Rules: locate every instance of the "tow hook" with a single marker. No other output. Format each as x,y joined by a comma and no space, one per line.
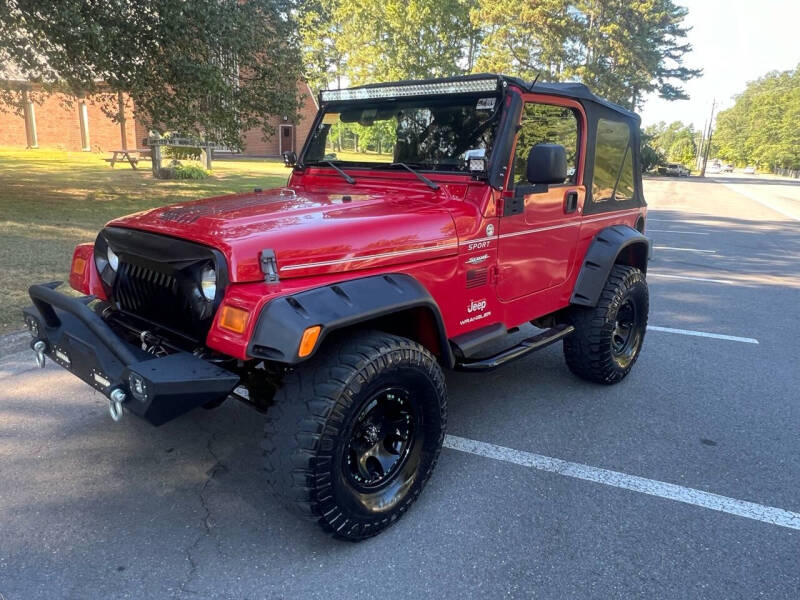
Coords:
39,348
115,400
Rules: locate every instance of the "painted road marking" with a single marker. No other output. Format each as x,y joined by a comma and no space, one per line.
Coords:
749,195
689,220
677,231
716,336
664,275
684,249
651,487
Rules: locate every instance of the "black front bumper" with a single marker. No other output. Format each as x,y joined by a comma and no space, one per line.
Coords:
79,340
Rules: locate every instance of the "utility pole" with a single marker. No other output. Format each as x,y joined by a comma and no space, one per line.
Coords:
699,154
708,143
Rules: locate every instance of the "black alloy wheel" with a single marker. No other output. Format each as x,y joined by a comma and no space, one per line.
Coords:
381,438
626,337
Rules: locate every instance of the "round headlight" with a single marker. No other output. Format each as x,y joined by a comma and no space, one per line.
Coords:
113,259
208,283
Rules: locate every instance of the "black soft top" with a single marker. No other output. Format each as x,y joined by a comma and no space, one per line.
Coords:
571,90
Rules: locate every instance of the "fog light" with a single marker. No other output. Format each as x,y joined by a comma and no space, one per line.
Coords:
62,356
138,386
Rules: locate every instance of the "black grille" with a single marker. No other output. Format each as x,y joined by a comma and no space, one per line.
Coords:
158,280
156,296
139,289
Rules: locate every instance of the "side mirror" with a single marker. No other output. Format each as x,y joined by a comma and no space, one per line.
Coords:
547,163
290,158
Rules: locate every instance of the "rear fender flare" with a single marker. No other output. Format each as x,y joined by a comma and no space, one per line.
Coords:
618,244
282,321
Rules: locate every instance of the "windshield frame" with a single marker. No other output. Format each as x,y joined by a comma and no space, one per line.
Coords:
497,117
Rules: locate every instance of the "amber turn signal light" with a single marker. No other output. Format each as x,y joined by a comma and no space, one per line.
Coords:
79,266
233,319
309,340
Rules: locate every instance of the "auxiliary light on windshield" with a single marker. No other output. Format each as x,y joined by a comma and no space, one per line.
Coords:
415,89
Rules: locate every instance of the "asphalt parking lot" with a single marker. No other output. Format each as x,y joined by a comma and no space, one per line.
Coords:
680,482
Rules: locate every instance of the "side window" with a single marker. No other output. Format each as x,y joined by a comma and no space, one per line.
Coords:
613,163
546,124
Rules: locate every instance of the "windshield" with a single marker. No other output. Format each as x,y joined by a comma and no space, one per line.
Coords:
439,134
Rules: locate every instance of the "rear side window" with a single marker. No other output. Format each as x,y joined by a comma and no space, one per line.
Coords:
546,124
613,162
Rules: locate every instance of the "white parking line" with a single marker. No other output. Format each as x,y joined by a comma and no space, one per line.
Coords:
716,336
706,279
677,231
651,487
689,221
684,249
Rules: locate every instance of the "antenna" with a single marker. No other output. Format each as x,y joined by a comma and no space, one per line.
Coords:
535,79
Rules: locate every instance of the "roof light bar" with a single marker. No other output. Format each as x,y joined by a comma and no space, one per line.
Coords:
415,89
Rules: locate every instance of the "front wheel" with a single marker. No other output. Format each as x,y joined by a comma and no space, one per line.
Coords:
355,433
608,337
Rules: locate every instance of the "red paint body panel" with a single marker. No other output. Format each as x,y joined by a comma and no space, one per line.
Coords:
89,282
314,232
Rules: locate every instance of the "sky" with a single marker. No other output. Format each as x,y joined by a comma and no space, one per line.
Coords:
733,41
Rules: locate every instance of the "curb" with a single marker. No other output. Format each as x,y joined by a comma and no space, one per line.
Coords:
13,343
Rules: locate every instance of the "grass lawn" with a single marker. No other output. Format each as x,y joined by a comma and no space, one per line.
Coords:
52,200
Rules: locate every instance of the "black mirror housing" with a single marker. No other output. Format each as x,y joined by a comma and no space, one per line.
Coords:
290,158
547,163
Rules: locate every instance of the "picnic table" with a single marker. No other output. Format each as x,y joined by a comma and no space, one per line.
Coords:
119,155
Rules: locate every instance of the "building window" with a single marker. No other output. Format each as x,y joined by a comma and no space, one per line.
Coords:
83,118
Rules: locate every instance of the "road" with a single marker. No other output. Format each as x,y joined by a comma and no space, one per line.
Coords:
681,482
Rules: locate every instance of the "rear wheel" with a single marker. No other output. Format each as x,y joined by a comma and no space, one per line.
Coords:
355,433
608,337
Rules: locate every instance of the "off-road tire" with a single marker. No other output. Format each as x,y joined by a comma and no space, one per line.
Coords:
311,425
590,349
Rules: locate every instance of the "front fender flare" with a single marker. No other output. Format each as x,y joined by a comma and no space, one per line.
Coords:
604,252
283,320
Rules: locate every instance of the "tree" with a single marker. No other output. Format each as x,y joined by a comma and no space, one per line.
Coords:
621,49
525,39
319,33
650,155
763,126
676,141
384,40
683,150
206,67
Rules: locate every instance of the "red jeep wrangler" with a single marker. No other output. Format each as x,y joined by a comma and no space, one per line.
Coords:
461,209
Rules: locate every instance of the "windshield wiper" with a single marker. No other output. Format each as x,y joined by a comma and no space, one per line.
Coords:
333,166
420,176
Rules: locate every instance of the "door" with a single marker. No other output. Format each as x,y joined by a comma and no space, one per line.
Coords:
540,224
286,138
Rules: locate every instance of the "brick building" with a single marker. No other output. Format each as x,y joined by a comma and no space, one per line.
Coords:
82,125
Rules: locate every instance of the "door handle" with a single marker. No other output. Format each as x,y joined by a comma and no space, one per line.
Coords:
570,202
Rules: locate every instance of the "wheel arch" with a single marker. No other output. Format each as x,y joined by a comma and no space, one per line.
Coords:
614,245
394,303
